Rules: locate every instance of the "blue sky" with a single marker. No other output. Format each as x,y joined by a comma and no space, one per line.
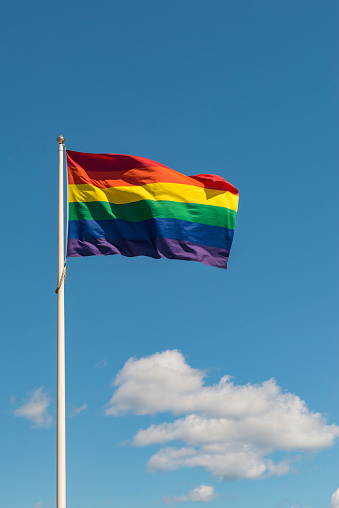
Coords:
246,90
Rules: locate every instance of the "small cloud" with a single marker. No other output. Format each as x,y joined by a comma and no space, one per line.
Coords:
335,499
201,494
77,410
38,505
35,409
102,363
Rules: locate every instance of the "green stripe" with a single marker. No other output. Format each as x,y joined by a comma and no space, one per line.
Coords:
146,209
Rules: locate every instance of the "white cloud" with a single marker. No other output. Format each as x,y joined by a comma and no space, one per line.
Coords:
77,410
228,429
224,463
157,383
35,409
38,505
202,493
335,499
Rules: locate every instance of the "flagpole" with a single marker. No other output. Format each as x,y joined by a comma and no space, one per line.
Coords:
61,415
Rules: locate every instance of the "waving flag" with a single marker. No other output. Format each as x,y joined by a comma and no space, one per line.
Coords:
122,204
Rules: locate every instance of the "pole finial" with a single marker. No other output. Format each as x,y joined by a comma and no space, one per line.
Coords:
61,139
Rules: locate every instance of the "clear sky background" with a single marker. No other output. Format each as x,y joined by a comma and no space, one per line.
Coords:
246,90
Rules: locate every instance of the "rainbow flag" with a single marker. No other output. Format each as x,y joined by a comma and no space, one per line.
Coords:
122,204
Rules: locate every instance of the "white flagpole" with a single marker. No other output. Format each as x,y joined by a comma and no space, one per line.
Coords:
61,415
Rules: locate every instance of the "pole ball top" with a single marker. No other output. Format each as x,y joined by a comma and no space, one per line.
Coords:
61,139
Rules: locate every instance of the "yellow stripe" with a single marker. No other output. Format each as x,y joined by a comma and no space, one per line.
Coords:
159,191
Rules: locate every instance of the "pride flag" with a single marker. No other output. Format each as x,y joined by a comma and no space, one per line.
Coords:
122,204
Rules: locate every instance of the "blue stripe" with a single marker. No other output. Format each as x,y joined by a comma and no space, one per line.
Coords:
213,236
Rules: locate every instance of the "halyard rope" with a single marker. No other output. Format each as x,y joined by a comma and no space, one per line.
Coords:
62,279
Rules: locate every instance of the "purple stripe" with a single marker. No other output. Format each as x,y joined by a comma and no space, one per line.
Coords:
158,248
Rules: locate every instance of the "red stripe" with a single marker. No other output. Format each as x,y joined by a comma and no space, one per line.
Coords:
114,170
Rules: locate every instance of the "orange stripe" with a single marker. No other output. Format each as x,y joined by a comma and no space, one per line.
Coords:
135,176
